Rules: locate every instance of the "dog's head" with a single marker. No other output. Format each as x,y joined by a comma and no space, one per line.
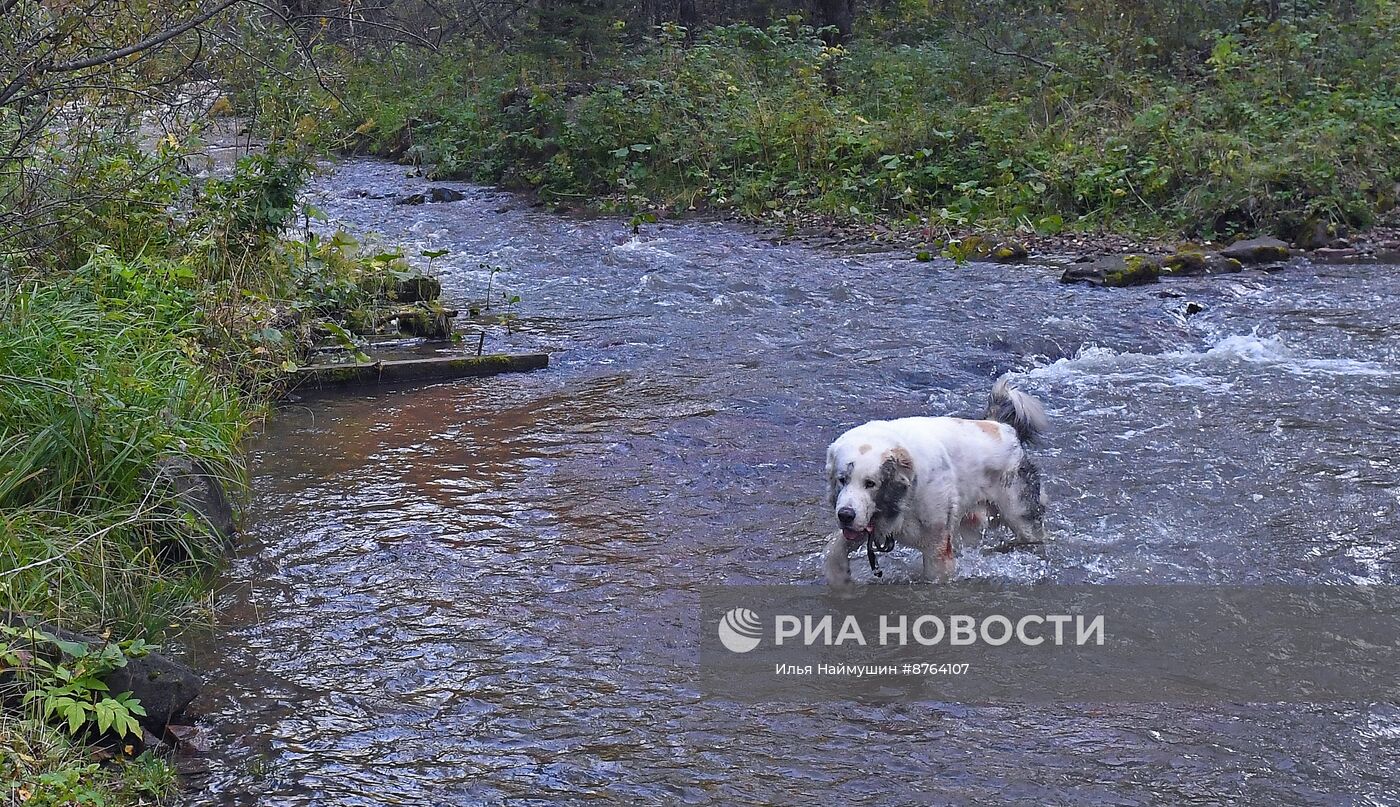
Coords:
870,481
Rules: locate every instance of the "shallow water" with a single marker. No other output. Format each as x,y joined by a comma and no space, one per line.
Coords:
484,592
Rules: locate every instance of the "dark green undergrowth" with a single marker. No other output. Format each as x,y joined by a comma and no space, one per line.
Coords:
1267,124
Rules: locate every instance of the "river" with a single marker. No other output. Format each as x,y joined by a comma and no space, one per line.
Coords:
485,592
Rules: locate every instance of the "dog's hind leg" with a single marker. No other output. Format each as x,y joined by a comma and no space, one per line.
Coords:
1022,507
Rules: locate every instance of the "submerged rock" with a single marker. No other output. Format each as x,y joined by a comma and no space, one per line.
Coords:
1116,270
1341,255
432,195
445,195
1257,250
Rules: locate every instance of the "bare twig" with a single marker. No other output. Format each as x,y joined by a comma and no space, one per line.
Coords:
1050,67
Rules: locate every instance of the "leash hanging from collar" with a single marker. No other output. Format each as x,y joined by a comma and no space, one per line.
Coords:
871,549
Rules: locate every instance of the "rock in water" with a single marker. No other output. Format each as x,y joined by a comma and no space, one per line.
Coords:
445,195
996,250
1189,263
432,195
1124,270
165,687
1257,250
1340,255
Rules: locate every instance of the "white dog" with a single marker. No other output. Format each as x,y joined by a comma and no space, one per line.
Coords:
917,480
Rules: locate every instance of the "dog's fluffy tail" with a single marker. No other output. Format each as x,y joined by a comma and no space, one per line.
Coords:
1018,410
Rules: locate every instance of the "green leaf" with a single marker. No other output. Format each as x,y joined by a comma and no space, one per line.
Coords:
434,253
74,649
127,724
105,715
341,335
76,715
132,705
89,683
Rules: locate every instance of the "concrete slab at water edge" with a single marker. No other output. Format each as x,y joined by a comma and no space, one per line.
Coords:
437,368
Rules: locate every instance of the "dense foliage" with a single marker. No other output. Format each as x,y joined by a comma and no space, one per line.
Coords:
1257,127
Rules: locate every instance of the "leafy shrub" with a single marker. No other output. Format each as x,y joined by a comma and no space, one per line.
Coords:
1079,120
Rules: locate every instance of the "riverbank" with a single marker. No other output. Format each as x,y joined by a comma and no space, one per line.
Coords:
924,141
138,351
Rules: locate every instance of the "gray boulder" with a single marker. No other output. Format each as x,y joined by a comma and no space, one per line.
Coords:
1257,250
431,195
1115,270
1188,263
165,687
201,493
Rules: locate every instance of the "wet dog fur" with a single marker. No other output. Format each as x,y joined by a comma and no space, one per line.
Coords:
921,480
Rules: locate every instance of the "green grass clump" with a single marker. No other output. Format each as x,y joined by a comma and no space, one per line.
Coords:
97,390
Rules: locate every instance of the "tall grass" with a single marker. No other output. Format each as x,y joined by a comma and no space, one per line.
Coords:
97,387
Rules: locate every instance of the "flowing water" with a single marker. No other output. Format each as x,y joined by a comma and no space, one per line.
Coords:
484,592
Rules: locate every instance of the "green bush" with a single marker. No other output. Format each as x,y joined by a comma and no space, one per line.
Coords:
1202,132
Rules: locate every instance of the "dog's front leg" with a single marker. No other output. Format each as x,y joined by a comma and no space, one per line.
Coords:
838,561
940,562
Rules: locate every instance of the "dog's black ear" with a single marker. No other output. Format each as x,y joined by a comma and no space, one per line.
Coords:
896,478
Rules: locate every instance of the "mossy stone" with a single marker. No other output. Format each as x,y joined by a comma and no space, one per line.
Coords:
1136,270
1257,250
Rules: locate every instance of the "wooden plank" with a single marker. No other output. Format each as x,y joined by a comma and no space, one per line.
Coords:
436,368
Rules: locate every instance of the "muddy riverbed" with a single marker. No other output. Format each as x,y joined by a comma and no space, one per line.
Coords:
484,592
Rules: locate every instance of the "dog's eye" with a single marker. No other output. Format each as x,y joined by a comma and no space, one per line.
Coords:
869,483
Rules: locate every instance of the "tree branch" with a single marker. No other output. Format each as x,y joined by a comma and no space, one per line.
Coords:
145,44
1049,66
